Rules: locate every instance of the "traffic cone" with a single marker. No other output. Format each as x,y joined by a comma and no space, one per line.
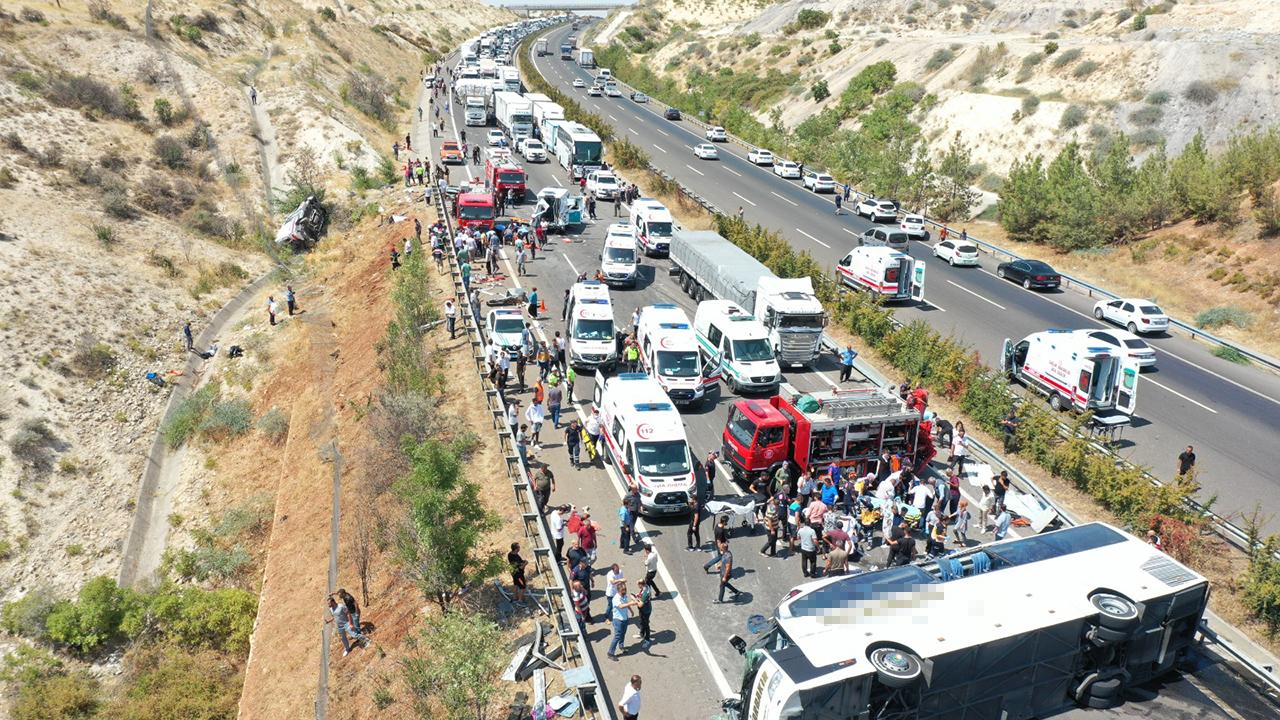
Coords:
542,306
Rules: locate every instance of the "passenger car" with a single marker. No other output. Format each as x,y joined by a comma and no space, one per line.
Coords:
888,237
1138,316
1031,273
672,114
579,83
760,156
602,184
495,137
595,91
1127,344
639,97
957,252
818,181
786,169
914,226
450,152
877,210
504,326
706,151
533,150
717,134
303,227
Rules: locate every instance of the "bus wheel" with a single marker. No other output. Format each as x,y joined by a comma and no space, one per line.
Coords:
895,667
1115,612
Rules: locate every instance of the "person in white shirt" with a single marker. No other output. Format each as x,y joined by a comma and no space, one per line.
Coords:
651,568
629,706
922,496
555,524
536,415
959,451
611,580
513,414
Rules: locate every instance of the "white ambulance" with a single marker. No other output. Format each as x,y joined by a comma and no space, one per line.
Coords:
735,341
644,439
590,331
669,351
653,224
1074,371
883,271
619,259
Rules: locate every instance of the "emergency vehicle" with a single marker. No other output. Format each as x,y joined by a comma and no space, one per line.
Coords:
848,427
1074,371
653,224
644,439
474,210
735,341
883,271
504,177
590,329
669,351
619,259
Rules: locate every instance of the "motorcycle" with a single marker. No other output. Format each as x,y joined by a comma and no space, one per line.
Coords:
513,296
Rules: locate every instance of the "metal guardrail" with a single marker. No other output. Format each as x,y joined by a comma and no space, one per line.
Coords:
575,650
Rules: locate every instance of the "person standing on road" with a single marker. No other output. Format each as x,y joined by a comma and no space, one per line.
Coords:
1003,518
587,536
846,362
709,469
554,397
573,443
960,520
644,596
629,706
544,483
1186,461
651,569
771,528
186,333
808,538
555,524
721,542
624,527
623,604
726,571
693,535
839,203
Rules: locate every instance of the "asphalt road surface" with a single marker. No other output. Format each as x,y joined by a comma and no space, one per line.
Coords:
1230,413
690,667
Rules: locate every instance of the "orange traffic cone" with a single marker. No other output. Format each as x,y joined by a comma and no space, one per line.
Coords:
542,306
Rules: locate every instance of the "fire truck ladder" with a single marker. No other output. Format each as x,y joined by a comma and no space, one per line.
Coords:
850,407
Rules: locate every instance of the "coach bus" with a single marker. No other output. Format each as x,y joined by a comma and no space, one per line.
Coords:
1022,628
577,148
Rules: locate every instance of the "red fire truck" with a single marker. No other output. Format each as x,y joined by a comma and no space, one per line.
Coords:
505,178
474,209
848,427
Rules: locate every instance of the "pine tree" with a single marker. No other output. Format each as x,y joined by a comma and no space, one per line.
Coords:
1024,200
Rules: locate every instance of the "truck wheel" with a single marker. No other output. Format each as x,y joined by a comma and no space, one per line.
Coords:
1056,402
895,667
1115,612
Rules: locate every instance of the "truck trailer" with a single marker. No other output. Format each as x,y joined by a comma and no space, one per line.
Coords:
586,58
514,114
709,266
541,47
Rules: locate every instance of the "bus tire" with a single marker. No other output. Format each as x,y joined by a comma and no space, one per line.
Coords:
1100,703
1106,688
1115,612
895,667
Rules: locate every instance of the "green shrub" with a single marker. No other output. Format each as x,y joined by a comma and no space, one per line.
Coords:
194,618
1146,115
163,110
1050,48
1030,104
1066,58
1200,92
1085,69
1230,354
33,443
1158,97
328,14
986,62
1217,317
1147,137
1261,584
820,91
94,360
1139,22
628,155
808,19
189,415
165,681
227,419
7,178
1266,213
1073,116
939,60
275,425
44,688
93,618
170,152
26,616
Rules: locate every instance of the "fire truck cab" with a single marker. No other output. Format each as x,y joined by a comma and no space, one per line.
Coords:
474,210
505,177
847,427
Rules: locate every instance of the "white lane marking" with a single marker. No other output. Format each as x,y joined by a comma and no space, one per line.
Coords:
793,203
850,232
723,471
735,172
813,238
1175,392
745,200
660,132
571,265
632,131
1170,353
934,305
656,145
557,179
993,302
694,169
613,118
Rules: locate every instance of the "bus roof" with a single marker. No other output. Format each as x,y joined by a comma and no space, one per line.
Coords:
578,131
1034,582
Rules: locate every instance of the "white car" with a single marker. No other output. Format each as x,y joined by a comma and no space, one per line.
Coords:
706,151
717,134
506,327
495,137
639,97
914,226
533,150
595,91
1139,316
760,156
602,184
787,170
579,83
877,210
957,252
1127,344
611,89
818,181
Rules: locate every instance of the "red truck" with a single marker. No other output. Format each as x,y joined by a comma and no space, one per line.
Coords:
505,178
474,210
847,427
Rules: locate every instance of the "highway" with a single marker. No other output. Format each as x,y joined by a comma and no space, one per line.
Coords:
1229,413
690,667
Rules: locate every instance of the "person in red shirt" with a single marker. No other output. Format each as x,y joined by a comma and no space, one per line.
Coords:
587,538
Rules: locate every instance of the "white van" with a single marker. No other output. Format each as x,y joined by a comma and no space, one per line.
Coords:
653,224
1074,371
620,258
738,344
644,439
669,351
883,271
604,74
590,332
